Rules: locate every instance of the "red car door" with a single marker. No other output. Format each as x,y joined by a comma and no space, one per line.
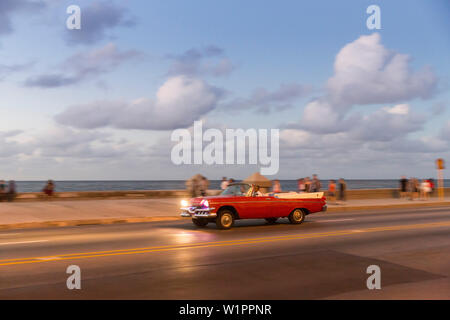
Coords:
252,207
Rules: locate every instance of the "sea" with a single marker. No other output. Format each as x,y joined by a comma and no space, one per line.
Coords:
91,185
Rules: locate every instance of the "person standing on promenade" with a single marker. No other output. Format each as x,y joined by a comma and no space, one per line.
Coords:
425,189
307,185
49,188
431,181
276,186
301,185
11,194
332,191
315,184
413,188
342,190
224,183
2,190
403,187
204,184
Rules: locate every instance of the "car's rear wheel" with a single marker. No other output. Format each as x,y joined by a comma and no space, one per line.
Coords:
225,219
271,220
297,216
199,222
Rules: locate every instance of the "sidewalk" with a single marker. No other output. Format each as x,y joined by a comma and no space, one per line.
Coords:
41,214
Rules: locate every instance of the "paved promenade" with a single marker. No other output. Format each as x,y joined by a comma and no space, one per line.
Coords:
39,214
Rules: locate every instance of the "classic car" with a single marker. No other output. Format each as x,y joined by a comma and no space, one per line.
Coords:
246,201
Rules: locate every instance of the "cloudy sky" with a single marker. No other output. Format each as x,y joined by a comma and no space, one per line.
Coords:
102,102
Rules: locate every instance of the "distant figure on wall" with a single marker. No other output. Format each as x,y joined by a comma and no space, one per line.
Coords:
224,183
276,186
203,185
11,193
342,190
315,184
332,191
49,188
2,190
301,185
403,187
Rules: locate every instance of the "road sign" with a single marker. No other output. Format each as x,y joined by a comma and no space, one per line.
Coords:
440,164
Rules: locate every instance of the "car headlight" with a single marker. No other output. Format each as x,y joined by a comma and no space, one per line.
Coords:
184,203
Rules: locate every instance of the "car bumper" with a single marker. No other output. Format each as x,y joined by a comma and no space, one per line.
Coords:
198,213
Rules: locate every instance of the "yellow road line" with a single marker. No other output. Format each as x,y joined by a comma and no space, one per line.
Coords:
87,255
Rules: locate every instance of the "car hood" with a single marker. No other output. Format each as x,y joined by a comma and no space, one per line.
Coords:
212,199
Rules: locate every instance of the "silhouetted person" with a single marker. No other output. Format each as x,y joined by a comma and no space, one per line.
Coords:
403,187
2,190
203,186
332,191
342,190
315,184
49,188
11,193
307,185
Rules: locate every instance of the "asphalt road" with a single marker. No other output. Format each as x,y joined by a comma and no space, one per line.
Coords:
325,257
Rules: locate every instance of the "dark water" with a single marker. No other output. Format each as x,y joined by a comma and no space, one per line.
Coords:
36,186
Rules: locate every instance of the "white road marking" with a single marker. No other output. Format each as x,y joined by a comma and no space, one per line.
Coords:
357,231
9,234
21,242
334,220
49,258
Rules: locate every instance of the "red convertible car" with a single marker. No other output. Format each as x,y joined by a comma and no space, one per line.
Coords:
245,201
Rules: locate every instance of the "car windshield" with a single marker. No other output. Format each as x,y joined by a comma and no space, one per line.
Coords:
236,190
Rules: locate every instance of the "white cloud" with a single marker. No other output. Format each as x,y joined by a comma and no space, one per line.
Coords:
368,73
179,102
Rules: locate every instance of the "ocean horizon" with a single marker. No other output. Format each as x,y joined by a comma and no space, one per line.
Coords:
117,185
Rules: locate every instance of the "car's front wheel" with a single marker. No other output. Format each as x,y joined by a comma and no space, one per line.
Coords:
199,222
297,216
225,219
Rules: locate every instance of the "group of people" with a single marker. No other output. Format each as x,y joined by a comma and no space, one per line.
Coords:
413,188
337,191
309,185
197,186
7,192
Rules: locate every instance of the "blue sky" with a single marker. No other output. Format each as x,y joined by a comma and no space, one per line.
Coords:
376,112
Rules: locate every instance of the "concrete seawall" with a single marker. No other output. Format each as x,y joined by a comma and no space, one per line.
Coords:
149,194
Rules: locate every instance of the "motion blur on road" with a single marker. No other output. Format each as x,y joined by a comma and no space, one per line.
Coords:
325,257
